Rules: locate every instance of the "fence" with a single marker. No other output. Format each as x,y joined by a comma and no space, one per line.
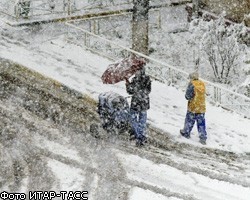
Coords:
159,70
19,9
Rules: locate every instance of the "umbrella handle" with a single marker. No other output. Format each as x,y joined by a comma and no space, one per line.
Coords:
127,81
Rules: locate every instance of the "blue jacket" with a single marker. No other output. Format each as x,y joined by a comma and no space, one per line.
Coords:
190,91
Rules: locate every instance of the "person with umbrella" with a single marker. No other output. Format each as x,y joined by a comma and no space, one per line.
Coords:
139,88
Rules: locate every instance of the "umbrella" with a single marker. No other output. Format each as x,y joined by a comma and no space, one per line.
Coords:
122,70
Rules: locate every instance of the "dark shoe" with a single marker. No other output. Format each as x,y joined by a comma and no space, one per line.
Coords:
184,134
203,141
139,143
144,140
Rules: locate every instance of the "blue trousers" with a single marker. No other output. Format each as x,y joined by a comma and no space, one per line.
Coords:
199,118
138,123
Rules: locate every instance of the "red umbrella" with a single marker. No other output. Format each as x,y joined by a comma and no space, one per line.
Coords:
122,70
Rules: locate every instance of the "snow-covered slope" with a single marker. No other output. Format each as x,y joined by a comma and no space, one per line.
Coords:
58,159
81,70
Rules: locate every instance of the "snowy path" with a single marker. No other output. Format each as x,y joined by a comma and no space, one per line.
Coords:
45,50
74,163
45,155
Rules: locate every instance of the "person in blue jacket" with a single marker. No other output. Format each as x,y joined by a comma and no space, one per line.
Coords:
195,94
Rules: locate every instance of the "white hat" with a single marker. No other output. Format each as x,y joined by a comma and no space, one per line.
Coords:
193,76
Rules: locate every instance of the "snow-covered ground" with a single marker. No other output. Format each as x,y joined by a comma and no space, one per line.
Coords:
147,178
82,70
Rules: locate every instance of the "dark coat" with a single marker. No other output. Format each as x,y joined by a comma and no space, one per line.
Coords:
139,88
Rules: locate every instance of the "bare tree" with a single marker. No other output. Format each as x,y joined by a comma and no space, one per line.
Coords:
220,44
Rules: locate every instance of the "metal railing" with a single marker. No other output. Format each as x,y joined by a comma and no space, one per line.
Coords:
23,9
158,70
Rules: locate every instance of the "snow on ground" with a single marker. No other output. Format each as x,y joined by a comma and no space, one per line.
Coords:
56,148
188,184
138,193
70,178
81,70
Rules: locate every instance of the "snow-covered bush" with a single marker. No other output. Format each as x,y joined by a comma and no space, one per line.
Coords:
220,46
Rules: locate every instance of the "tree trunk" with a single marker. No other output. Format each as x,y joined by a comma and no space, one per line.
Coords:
196,6
140,26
